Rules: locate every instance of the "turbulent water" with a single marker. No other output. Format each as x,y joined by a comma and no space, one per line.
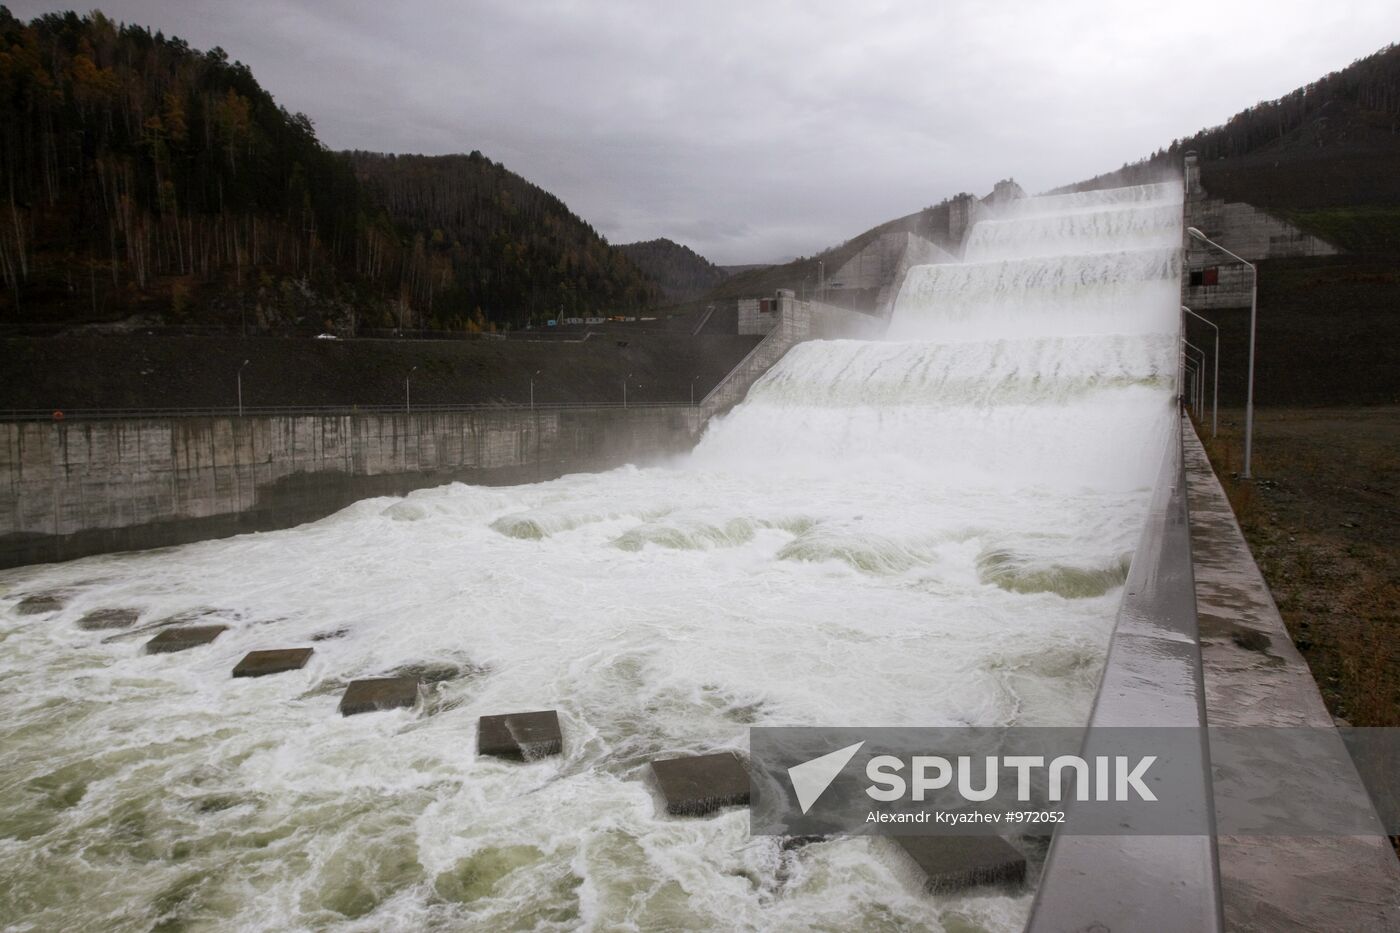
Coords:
929,530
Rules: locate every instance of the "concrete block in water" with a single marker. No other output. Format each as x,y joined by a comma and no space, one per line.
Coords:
377,693
39,603
702,784
182,637
952,863
108,618
273,661
520,736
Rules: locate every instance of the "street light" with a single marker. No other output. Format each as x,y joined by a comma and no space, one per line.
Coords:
692,390
624,389
240,389
1215,388
532,388
1253,319
407,396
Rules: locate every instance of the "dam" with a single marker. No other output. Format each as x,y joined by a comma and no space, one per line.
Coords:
933,528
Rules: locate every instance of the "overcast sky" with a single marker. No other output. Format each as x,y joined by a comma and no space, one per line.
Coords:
754,130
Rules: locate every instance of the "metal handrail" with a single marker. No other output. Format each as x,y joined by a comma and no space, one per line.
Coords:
1215,390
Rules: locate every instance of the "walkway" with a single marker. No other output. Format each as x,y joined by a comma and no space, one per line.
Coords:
1254,676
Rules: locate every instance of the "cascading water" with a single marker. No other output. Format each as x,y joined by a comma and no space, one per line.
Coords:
927,530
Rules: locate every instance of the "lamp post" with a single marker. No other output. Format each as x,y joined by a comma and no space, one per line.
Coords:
1201,388
532,388
1215,387
1253,320
407,392
692,390
240,388
624,389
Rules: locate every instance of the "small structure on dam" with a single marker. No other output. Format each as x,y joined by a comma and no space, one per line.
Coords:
702,784
520,736
379,693
272,661
183,638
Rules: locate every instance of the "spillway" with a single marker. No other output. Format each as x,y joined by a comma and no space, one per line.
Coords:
931,529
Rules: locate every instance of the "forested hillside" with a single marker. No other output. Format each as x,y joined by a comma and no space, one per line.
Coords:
487,238
681,272
143,177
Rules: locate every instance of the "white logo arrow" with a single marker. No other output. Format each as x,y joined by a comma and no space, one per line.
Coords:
811,778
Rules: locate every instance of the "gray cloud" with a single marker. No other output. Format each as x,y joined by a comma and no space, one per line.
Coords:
755,130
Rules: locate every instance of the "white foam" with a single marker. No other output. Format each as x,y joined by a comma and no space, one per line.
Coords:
920,531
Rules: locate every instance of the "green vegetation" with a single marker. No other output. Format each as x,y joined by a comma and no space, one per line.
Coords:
1363,230
143,176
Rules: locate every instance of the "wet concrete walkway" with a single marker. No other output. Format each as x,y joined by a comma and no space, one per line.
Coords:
1254,676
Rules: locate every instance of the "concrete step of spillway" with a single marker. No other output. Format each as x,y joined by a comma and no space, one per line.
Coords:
701,784
272,661
101,619
379,693
520,736
184,637
39,604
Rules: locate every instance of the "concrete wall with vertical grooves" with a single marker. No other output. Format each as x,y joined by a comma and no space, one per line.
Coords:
73,488
69,489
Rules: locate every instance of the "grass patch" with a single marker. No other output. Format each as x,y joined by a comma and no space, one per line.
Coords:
1366,230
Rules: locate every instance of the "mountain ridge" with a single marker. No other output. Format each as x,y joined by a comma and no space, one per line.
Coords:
149,182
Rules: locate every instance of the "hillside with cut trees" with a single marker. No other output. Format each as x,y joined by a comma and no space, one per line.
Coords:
1325,156
146,180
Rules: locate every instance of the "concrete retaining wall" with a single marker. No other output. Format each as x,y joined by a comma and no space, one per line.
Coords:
69,489
73,488
1243,228
1152,677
